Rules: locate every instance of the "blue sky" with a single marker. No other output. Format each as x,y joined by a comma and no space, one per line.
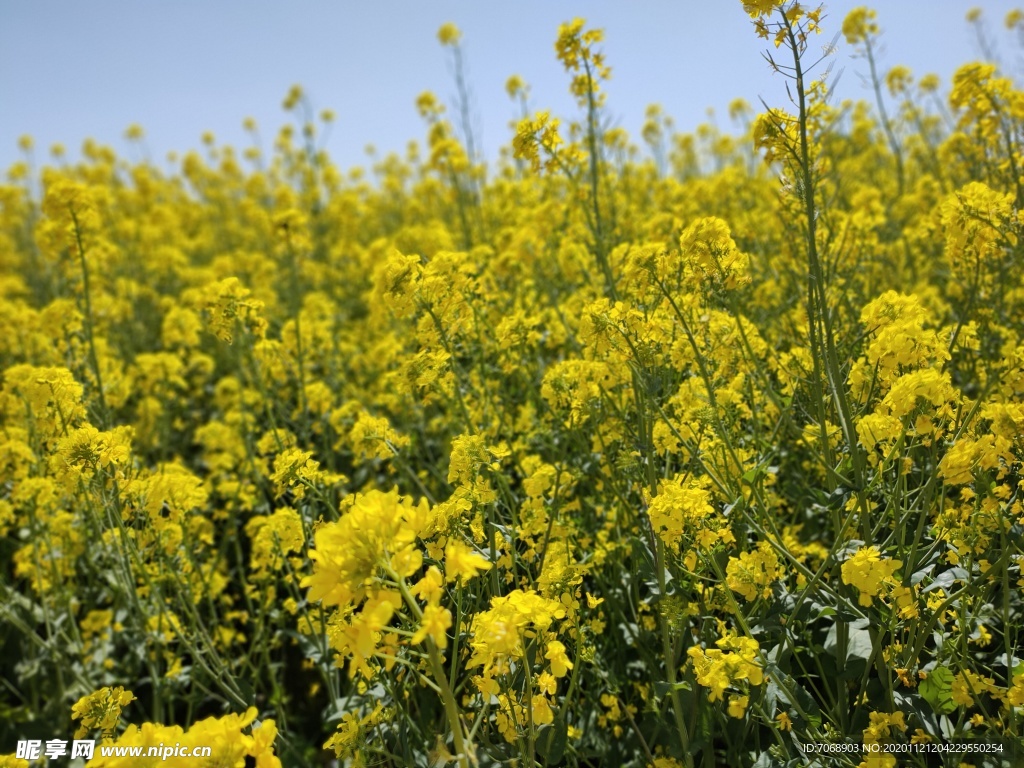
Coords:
71,70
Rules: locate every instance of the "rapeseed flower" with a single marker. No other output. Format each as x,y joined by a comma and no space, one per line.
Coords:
870,573
100,710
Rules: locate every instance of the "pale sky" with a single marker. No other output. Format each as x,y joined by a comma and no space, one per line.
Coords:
70,69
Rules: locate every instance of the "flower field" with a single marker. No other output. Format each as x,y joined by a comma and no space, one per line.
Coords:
704,452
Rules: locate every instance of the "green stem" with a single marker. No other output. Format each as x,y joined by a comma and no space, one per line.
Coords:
87,298
451,708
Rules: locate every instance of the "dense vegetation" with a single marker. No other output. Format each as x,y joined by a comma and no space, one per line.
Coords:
705,455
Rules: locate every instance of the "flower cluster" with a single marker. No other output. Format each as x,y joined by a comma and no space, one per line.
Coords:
584,457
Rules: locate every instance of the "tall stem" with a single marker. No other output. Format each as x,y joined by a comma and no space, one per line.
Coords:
819,316
87,299
600,246
451,708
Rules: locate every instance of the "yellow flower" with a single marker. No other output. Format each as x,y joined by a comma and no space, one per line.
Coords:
469,453
760,8
429,588
226,306
262,750
100,710
462,562
449,34
295,470
1015,695
898,80
560,664
542,714
428,106
534,135
717,669
753,573
273,537
294,96
859,25
711,254
291,229
352,731
498,632
48,399
435,624
968,688
547,683
869,572
486,685
682,512
515,87
738,706
373,437
881,723
350,552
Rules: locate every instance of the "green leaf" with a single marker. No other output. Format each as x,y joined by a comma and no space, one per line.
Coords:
246,690
663,688
781,686
849,643
937,690
947,579
552,740
751,476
